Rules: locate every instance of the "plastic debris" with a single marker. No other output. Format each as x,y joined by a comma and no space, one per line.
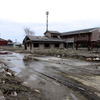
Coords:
3,82
88,59
58,56
67,98
93,59
25,82
8,73
96,58
14,93
36,90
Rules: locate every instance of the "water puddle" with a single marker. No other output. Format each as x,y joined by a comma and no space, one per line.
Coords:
21,62
4,52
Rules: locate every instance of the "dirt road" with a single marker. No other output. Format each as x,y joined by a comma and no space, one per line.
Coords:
56,78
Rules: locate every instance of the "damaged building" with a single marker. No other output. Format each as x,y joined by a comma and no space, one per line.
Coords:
49,41
55,39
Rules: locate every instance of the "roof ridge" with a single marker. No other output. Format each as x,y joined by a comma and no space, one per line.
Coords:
81,30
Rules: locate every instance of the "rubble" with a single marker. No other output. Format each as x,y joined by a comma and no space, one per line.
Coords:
93,59
11,87
14,93
37,90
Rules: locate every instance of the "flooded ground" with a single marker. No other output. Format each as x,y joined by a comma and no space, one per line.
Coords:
57,78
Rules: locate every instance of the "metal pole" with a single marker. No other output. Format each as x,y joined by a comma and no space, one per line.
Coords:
47,13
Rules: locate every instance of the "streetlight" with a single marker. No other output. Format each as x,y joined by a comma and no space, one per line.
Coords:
47,13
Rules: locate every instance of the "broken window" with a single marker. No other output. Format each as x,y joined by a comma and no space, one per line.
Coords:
47,45
57,45
36,45
83,35
54,36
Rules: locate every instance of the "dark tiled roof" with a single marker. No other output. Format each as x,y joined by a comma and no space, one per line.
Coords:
2,39
79,31
44,38
53,32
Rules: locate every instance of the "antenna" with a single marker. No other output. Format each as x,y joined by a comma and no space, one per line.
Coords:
47,13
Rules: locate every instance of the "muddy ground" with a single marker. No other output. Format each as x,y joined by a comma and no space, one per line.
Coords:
36,75
11,87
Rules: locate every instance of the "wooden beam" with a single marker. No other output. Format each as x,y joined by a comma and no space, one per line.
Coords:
91,46
76,45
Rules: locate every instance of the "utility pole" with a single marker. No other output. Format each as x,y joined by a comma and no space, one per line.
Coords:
47,13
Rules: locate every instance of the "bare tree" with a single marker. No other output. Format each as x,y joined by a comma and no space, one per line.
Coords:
29,32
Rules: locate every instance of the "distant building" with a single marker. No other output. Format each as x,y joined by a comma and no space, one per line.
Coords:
10,42
3,42
55,39
17,44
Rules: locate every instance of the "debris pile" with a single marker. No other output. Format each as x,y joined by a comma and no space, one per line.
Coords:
93,59
11,87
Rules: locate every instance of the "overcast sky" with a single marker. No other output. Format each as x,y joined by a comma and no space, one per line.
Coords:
64,15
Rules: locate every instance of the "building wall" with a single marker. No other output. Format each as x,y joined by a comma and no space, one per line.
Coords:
76,37
47,34
55,36
28,46
52,35
3,43
32,46
52,46
95,35
61,46
41,46
81,37
69,40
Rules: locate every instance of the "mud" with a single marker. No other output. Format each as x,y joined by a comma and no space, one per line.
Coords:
11,87
51,78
